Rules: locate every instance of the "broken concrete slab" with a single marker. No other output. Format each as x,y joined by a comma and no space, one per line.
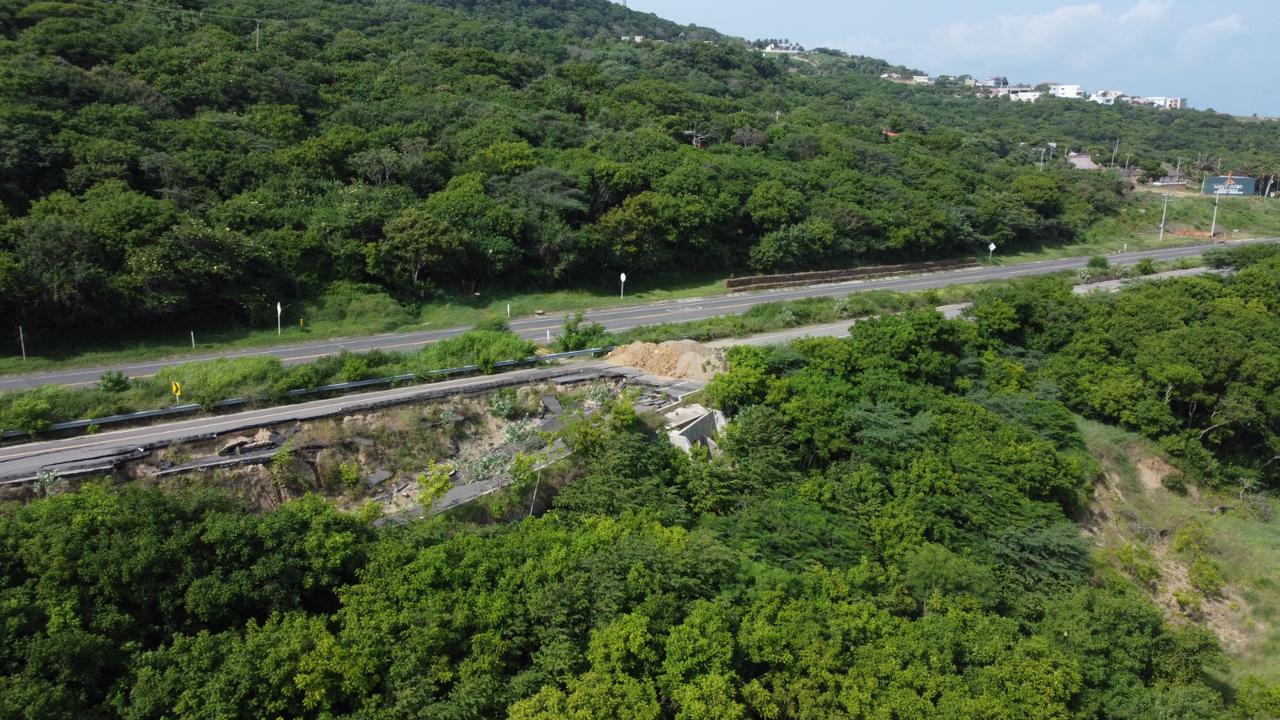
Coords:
376,478
552,405
233,446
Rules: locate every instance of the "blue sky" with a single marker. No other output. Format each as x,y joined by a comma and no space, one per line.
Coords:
1177,48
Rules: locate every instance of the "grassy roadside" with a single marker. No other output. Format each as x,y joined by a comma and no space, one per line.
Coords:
354,311
1137,227
1156,536
34,410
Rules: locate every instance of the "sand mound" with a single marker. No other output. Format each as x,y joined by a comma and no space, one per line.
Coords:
675,358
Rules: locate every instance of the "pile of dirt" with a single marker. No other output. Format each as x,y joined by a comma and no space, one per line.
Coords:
675,359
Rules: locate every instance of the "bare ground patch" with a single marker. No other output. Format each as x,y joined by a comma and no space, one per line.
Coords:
1116,519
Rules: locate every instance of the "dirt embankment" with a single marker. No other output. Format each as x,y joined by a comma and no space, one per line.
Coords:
675,359
1124,514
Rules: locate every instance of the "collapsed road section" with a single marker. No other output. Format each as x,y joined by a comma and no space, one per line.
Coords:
104,453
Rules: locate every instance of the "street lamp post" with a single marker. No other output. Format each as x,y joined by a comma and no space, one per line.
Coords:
622,287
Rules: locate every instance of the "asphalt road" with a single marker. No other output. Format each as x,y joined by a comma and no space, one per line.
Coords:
841,329
621,318
98,452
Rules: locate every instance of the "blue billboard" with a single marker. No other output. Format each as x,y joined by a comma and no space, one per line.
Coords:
1230,185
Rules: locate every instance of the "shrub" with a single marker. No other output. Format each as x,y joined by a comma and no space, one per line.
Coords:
1189,603
29,413
1204,575
210,381
113,381
1241,257
434,483
1099,263
1145,266
349,474
574,336
1138,563
357,305
493,324
354,368
1192,538
302,377
476,347
504,404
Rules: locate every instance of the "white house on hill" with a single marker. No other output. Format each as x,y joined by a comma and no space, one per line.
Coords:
1071,92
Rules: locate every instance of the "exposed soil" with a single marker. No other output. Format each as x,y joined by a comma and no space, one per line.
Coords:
675,359
1113,519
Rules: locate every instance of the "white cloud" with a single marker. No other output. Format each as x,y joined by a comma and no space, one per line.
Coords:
1204,37
1147,12
1223,26
1017,35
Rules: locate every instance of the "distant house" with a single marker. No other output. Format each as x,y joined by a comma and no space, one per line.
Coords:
1106,97
1025,95
1164,103
782,49
922,79
1070,92
632,38
1082,161
996,81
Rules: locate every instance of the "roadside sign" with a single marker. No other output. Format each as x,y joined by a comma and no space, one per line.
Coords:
1229,185
176,388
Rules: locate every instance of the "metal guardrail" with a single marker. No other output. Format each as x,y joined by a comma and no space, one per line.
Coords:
191,408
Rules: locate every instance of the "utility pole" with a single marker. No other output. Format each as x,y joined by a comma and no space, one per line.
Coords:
1115,151
1213,229
1042,151
193,339
257,35
22,342
1126,162
534,501
1164,214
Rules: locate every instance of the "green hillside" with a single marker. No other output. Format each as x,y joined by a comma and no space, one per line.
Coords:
198,162
913,522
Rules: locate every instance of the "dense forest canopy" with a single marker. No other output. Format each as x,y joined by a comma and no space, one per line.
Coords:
1190,363
887,533
202,160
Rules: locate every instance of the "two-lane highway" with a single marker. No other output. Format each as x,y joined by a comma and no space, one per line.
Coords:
620,318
